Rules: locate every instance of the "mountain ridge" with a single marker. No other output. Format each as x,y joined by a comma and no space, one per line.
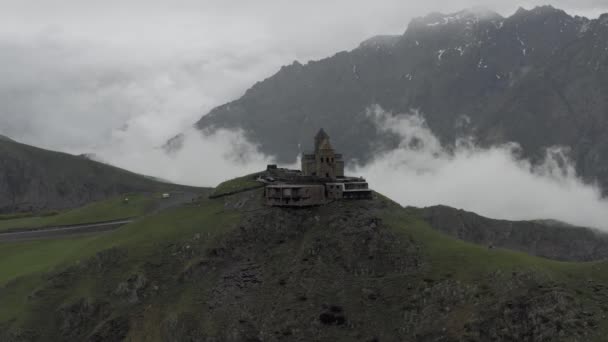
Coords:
537,70
34,179
544,238
5,138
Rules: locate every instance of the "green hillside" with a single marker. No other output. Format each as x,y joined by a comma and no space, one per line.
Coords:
34,180
26,265
107,210
231,269
235,185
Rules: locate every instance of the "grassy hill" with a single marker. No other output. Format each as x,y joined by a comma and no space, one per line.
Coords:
545,238
236,185
231,269
106,210
38,180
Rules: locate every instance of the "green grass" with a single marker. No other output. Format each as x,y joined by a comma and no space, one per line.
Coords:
237,184
23,258
24,215
107,210
27,263
26,258
470,262
25,266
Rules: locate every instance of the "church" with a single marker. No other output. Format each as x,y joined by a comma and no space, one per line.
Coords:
324,162
321,180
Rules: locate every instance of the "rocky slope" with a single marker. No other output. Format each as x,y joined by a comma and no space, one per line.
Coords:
542,238
230,269
476,73
5,138
33,179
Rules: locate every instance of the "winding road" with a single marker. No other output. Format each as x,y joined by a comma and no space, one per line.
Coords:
176,199
56,232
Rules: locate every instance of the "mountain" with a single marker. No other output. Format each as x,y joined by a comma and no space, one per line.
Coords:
232,269
470,73
33,179
5,138
544,238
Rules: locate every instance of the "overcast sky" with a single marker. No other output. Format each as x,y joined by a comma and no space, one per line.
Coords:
79,75
118,78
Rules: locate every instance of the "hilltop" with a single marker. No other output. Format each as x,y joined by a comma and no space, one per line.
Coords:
497,79
232,269
37,180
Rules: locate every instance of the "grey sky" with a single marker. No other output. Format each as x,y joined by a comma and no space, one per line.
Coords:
118,78
81,75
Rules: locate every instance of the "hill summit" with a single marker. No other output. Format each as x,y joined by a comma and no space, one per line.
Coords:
235,269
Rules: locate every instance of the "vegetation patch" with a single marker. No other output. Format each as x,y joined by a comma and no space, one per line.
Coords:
236,185
466,261
27,214
88,264
113,209
350,270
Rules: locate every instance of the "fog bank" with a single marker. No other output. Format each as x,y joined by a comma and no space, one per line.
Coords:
202,160
493,182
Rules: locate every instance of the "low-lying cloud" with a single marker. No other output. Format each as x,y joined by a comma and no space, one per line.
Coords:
73,73
494,181
119,79
201,160
86,97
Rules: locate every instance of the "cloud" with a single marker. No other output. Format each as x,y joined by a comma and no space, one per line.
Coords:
202,160
75,96
119,78
74,72
494,182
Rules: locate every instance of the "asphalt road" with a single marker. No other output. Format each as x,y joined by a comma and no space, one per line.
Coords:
176,199
56,232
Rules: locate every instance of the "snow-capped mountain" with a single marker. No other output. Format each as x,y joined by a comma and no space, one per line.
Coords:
537,71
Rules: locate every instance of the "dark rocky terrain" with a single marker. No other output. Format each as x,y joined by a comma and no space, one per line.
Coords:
5,138
547,239
475,73
348,271
33,179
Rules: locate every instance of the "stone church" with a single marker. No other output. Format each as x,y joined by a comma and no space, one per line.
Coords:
324,162
320,181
